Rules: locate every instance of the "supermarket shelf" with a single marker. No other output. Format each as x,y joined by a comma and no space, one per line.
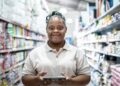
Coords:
97,69
10,21
110,26
103,31
103,52
113,40
18,24
86,27
95,50
18,79
92,65
111,11
91,58
15,49
115,55
94,41
29,38
93,83
88,32
100,41
14,66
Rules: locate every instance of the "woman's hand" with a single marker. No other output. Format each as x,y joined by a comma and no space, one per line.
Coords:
33,80
41,79
72,81
65,81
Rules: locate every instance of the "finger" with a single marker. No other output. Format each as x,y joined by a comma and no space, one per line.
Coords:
42,73
66,76
63,74
41,78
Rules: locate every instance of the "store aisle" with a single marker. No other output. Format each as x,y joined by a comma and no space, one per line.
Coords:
92,25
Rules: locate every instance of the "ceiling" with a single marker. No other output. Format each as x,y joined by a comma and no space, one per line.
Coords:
74,4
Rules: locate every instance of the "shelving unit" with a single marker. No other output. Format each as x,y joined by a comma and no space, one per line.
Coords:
29,38
101,43
14,66
17,24
94,66
21,30
102,52
15,49
109,12
16,41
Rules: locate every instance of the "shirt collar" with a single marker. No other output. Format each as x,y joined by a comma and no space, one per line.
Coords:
65,47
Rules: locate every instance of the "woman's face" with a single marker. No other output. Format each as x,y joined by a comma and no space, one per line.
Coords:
56,30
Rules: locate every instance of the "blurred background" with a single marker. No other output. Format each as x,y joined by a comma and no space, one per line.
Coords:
93,26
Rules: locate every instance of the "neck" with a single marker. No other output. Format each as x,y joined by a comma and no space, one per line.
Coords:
56,46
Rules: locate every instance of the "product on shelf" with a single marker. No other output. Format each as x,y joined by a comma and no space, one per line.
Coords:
96,78
2,34
3,82
8,61
116,16
16,39
1,65
104,21
101,43
10,29
8,41
115,69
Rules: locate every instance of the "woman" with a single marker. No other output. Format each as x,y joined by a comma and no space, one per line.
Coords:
56,58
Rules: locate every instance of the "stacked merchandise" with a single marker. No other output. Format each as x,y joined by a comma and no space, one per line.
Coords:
19,34
108,36
105,5
38,16
21,38
2,35
101,72
11,68
15,43
108,19
19,13
1,6
101,44
28,13
115,69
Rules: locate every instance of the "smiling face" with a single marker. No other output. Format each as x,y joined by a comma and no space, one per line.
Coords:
56,30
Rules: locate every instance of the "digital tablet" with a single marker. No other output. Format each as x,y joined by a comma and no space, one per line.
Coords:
54,78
